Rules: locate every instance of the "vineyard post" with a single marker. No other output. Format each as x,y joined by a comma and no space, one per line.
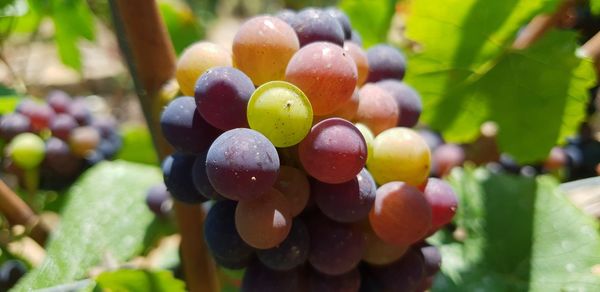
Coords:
150,56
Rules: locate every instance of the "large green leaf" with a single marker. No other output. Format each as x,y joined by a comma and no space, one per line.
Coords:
138,281
522,234
105,215
371,18
468,74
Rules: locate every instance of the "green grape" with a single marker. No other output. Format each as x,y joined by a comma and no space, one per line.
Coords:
281,112
368,135
400,154
27,150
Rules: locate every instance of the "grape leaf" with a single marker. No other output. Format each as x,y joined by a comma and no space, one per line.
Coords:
105,215
138,281
137,145
371,18
468,74
73,20
522,234
184,29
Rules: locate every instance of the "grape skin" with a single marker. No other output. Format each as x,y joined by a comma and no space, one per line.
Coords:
385,62
291,253
12,125
195,60
377,109
408,100
443,202
177,174
315,25
294,185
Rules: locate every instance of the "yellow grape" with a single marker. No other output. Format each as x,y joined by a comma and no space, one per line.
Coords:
369,137
195,60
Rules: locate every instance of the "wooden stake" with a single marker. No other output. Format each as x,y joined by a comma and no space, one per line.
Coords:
17,212
151,59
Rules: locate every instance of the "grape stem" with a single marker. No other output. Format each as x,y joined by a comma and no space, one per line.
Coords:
17,212
150,56
540,24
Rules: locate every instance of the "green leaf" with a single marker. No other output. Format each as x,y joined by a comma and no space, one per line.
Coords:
595,6
181,23
139,281
468,74
73,20
371,18
8,102
137,145
522,234
105,216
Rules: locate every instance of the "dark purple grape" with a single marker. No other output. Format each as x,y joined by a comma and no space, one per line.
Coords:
157,199
222,238
443,202
432,259
10,273
342,19
59,101
346,202
409,101
433,139
356,38
62,125
60,160
110,146
184,128
200,178
12,125
177,173
335,248
405,274
106,125
222,95
259,278
286,15
78,109
314,25
242,164
291,253
385,62
348,282
39,114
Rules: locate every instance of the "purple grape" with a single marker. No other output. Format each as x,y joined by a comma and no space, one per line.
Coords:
12,125
409,101
356,38
157,198
39,114
342,19
79,111
346,202
60,160
62,125
433,139
106,125
335,248
222,95
314,25
286,15
432,259
348,282
184,128
259,278
385,62
406,274
59,101
242,164
177,173
200,178
291,253
223,241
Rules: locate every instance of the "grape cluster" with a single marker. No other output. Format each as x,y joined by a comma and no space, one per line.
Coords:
304,141
55,139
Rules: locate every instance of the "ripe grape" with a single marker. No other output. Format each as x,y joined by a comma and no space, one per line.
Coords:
325,73
59,101
348,109
78,109
369,138
222,95
408,100
432,259
184,128
342,19
446,157
360,59
195,60
400,154
291,253
335,248
315,25
264,222
443,202
347,282
27,150
259,278
200,178
62,125
106,125
157,198
12,125
433,139
242,164
84,140
262,48
377,251
177,174
222,239
334,151
286,15
349,201
60,160
39,114
385,62
377,109
294,185
405,274
281,112
401,214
